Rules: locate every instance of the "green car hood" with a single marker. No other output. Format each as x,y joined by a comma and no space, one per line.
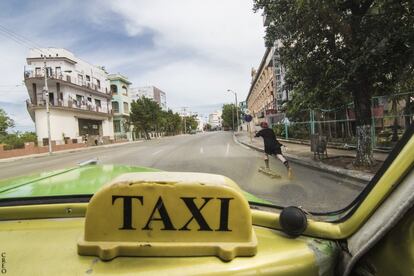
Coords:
81,180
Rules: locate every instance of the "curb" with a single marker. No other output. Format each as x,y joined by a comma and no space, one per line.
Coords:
359,176
38,155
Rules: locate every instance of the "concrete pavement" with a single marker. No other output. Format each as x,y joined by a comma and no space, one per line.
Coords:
301,154
213,152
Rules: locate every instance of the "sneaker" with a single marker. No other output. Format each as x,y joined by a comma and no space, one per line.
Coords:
290,173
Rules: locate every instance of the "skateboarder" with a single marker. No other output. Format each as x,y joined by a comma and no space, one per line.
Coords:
272,146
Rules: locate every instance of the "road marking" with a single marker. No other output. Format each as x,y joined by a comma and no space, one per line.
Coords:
227,149
158,151
201,150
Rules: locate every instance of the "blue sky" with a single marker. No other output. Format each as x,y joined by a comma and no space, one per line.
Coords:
193,50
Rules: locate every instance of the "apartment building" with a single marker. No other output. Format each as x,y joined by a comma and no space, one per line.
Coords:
150,92
215,120
79,98
261,100
121,106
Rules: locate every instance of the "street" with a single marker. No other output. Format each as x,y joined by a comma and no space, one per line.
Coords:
211,152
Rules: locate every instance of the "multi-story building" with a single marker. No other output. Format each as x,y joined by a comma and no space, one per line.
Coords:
150,92
121,106
79,96
281,91
261,100
215,120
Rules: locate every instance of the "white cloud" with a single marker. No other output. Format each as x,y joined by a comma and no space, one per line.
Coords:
199,49
223,39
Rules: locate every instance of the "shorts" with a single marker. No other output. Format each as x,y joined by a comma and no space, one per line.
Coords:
273,151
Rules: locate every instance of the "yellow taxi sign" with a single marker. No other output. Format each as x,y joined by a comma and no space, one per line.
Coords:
168,214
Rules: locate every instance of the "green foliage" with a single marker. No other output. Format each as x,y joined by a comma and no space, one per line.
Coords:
336,51
228,114
191,123
5,122
299,131
171,122
279,130
17,140
147,116
29,137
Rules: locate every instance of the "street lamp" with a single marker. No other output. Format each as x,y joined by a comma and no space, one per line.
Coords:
237,109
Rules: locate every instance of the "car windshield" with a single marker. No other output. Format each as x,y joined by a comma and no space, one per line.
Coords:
299,103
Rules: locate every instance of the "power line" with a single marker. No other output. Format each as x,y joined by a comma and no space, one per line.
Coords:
19,39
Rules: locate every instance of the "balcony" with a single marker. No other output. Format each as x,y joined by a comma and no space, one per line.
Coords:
73,106
84,85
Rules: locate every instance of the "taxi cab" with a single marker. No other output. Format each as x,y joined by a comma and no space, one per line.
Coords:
118,220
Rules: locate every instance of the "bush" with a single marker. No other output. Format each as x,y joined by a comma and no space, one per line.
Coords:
299,131
279,130
16,140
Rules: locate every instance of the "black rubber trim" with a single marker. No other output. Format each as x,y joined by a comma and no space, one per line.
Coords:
40,200
353,206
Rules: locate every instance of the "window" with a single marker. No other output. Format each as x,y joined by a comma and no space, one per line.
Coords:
98,83
79,100
115,107
126,108
58,72
98,103
117,126
80,79
88,78
38,72
114,89
124,90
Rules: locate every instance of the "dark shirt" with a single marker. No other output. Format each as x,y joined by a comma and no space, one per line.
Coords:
271,144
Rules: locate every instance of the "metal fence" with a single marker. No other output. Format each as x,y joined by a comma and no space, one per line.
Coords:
391,115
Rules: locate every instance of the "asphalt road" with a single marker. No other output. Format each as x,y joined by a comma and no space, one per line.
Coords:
214,152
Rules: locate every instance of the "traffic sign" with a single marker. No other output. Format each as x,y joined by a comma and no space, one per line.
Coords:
248,118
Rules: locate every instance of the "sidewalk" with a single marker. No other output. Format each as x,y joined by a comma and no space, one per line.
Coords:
301,154
11,159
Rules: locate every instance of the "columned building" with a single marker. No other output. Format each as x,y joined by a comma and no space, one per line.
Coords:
121,106
79,98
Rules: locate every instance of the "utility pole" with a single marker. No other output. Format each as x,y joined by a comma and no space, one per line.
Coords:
46,93
184,109
237,109
232,116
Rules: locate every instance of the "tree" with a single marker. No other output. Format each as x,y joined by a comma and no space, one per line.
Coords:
335,50
190,123
171,122
229,116
145,115
5,122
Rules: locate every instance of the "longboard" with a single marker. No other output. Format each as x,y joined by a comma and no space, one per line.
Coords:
269,172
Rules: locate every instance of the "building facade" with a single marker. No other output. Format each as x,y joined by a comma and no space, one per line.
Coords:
79,98
261,100
121,106
150,92
215,120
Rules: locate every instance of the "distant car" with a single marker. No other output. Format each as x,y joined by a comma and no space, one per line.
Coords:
193,131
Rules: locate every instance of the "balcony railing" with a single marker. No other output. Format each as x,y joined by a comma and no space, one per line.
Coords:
74,105
68,78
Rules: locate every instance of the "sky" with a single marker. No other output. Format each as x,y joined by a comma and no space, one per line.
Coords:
194,50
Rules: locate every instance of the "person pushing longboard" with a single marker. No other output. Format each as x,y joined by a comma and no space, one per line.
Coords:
272,147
